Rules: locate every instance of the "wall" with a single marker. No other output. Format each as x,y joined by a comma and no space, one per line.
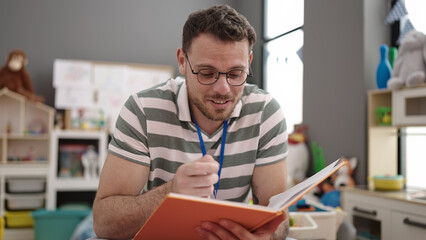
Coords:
341,53
135,31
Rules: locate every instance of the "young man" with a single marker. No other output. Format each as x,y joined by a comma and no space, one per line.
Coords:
172,137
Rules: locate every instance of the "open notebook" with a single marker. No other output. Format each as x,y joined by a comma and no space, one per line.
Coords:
178,215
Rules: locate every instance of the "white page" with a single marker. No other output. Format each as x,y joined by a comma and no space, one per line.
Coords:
71,73
285,199
74,97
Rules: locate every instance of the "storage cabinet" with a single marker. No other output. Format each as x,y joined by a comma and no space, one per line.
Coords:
385,215
25,128
67,170
408,109
409,106
382,139
405,224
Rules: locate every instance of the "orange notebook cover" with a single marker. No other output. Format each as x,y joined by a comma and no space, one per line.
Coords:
178,215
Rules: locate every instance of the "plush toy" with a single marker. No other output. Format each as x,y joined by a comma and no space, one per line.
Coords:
343,176
328,191
15,77
410,66
298,156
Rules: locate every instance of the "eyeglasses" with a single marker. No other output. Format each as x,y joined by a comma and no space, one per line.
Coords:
210,76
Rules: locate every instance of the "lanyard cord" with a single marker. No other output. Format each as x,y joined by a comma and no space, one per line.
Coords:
222,149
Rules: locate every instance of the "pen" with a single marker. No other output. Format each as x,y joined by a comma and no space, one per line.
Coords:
222,149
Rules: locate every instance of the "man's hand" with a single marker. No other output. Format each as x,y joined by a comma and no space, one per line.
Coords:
227,229
196,178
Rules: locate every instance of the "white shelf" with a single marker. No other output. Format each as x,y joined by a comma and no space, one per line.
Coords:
73,184
18,234
76,184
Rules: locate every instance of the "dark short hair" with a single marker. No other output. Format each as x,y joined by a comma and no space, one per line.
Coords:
222,21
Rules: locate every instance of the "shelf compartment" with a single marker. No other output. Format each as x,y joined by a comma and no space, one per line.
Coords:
19,202
25,185
409,107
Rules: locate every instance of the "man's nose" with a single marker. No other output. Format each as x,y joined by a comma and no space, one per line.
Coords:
221,86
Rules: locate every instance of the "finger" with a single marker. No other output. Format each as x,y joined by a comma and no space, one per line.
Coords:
205,234
208,158
201,168
218,230
236,229
271,226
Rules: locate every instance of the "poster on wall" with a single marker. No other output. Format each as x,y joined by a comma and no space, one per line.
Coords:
84,85
71,73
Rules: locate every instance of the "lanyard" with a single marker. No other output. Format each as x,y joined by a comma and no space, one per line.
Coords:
222,149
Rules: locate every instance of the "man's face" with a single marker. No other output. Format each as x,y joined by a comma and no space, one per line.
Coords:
217,101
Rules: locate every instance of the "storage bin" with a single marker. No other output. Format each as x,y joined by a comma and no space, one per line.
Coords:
303,227
57,224
1,227
25,185
327,219
19,219
24,202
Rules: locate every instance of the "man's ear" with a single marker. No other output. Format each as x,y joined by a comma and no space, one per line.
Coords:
180,54
251,56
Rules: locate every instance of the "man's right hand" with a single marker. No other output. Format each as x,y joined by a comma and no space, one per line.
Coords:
196,178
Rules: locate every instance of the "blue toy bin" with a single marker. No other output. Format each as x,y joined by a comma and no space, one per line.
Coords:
57,224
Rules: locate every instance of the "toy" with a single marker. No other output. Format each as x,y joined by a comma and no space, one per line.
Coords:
409,67
384,69
298,157
15,77
328,191
343,177
90,163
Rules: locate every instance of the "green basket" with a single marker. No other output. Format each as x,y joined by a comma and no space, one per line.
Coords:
384,115
57,224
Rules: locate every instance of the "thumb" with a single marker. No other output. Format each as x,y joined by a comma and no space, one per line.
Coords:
271,226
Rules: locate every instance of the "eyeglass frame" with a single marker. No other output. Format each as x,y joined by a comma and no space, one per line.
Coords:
249,74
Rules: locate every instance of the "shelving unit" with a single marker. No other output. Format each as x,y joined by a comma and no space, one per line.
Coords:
408,109
77,183
382,139
25,128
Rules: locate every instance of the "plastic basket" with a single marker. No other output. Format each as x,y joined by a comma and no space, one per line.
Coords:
1,227
304,226
57,224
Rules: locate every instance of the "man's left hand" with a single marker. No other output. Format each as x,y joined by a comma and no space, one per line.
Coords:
227,229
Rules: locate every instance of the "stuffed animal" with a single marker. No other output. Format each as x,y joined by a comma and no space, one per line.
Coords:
298,156
409,67
15,77
344,176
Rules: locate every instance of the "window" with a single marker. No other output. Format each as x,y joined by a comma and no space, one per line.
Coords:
416,10
413,156
283,66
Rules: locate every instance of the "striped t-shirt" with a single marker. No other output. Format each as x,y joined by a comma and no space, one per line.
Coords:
154,128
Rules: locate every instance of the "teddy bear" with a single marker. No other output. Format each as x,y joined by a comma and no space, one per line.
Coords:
15,77
410,66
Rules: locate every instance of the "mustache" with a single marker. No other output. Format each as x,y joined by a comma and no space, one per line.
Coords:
220,97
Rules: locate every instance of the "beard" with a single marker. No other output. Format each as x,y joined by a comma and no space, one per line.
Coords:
210,112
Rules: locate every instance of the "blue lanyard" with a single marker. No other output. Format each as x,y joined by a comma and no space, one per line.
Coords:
222,149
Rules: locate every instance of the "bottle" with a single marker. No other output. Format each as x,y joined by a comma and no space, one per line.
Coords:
384,69
393,53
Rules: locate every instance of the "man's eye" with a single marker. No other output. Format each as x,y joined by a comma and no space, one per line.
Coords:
208,73
235,74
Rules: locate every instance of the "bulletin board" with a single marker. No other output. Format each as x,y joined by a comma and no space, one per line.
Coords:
100,85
